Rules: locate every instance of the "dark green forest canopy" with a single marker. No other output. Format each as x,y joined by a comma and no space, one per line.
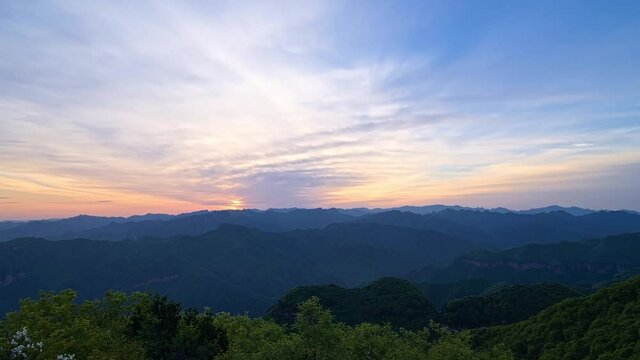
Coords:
605,325
505,305
403,305
387,300
441,293
143,326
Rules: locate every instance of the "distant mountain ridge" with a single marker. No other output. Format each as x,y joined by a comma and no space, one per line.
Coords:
495,227
430,209
162,225
504,230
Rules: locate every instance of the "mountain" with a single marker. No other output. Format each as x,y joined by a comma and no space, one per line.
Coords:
577,262
403,304
161,225
573,210
70,227
441,293
422,210
430,209
506,230
56,228
495,228
504,305
604,325
274,221
4,225
232,269
387,300
428,222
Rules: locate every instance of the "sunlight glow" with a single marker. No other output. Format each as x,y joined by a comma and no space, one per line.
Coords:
182,106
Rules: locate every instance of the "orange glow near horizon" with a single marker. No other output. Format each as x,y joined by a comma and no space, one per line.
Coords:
184,107
35,201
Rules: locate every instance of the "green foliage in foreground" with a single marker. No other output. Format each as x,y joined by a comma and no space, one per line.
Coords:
604,326
140,326
143,326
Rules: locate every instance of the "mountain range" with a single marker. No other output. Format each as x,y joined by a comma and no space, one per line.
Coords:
245,260
233,268
486,228
585,262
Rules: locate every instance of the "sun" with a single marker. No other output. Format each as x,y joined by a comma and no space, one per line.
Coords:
235,204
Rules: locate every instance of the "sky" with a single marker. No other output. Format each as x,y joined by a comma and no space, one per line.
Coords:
127,107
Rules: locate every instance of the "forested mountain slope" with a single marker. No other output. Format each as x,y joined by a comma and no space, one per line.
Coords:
233,268
504,305
402,304
387,300
605,325
577,262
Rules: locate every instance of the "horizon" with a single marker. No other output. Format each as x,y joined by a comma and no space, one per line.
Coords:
119,109
471,208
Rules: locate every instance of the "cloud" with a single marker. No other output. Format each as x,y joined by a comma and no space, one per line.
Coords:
191,105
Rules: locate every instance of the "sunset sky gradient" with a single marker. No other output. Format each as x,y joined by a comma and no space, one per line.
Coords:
119,107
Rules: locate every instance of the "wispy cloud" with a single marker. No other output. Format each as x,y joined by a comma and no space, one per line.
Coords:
176,106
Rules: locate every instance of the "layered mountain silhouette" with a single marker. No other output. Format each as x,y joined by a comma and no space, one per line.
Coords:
492,229
404,305
233,268
245,260
583,262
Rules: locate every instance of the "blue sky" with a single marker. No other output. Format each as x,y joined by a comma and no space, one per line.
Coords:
126,107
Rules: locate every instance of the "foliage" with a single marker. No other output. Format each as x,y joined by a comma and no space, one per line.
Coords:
143,326
388,300
402,305
116,327
167,332
92,330
441,293
605,325
315,335
505,305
